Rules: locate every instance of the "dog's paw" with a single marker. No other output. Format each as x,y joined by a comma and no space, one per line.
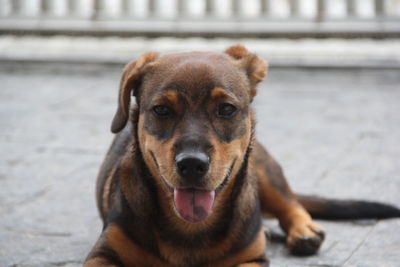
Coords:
305,239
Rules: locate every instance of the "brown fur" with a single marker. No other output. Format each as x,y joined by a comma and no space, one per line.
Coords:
134,189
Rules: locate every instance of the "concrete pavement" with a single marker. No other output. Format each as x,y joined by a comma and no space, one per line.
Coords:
335,131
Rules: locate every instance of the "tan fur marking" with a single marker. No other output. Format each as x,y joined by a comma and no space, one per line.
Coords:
223,158
252,252
225,154
130,253
98,262
272,201
293,218
218,92
172,96
164,167
169,98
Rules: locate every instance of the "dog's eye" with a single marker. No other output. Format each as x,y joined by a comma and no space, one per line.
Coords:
162,111
226,110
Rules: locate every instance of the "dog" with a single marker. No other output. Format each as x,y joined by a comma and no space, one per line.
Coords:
185,183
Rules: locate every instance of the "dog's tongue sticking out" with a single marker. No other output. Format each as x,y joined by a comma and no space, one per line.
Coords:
194,205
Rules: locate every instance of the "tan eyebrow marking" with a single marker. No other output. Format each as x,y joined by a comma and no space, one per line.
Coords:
170,95
171,98
218,92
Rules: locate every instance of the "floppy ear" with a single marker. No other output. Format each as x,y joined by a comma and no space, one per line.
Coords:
255,67
130,81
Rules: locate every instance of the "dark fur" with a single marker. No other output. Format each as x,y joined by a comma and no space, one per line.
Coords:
134,187
329,209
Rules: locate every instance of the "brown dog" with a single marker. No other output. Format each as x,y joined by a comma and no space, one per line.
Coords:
186,184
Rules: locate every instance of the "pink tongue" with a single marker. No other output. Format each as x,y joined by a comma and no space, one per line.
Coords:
194,205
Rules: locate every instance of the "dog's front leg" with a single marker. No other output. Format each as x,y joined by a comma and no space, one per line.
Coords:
304,237
116,248
102,255
257,263
99,262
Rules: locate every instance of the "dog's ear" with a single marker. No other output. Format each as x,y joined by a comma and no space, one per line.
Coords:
255,67
130,81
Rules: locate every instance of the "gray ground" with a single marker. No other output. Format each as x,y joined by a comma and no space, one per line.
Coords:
335,132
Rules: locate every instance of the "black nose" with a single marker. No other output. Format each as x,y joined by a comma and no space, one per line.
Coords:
192,165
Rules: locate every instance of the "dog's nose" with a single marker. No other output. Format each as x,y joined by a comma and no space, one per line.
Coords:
192,165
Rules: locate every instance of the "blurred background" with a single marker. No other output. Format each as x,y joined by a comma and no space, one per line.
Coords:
328,111
276,29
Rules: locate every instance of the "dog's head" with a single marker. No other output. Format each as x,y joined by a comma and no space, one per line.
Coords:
195,122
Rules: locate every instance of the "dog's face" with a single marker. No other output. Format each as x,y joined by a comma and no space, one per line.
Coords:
195,122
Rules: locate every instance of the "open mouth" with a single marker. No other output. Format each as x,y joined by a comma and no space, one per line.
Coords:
195,205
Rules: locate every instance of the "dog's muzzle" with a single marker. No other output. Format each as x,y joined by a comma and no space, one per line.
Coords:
192,202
